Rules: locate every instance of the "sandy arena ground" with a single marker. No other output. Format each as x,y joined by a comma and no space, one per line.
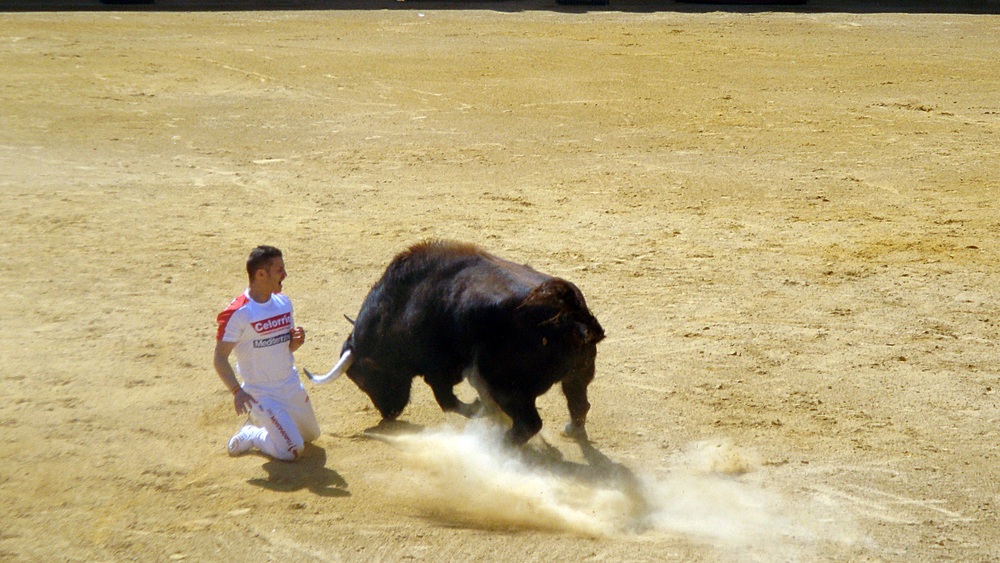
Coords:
785,219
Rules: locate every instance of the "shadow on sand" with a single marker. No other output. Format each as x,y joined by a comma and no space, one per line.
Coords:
307,472
390,428
538,456
599,471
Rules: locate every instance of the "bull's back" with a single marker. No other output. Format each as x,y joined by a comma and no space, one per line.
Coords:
441,295
457,276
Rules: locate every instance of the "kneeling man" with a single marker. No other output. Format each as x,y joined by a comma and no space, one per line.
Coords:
258,326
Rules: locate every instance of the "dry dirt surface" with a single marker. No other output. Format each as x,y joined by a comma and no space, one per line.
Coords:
786,220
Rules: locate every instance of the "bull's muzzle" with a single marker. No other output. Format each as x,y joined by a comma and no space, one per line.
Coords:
342,366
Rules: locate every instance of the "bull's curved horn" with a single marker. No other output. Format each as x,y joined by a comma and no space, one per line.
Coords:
345,362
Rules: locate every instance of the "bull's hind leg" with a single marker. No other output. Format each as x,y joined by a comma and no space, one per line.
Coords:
525,417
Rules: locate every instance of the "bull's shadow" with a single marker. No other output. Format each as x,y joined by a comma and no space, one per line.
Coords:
388,428
307,472
537,453
598,469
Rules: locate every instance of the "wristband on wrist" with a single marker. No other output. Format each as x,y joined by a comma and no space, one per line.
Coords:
235,390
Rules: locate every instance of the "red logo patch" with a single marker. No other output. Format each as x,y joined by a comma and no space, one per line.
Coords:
273,324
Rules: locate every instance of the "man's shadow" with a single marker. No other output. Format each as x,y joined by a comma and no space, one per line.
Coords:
307,472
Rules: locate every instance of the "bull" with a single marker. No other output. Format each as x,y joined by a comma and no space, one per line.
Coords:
450,311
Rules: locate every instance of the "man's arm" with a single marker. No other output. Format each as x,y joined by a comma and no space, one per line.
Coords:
223,367
241,399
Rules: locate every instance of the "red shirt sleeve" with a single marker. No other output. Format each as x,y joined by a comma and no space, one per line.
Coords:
223,318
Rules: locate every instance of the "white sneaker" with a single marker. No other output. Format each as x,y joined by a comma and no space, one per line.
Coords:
242,441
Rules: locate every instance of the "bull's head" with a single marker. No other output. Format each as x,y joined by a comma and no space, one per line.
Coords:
388,389
389,392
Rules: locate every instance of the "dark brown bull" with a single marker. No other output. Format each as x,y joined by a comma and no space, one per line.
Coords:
447,310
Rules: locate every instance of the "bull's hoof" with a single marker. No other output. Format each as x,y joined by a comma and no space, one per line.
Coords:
516,438
390,415
575,431
469,410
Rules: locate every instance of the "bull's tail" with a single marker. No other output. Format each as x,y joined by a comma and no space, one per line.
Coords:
559,304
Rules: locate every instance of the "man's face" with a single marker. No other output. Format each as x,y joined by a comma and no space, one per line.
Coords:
272,276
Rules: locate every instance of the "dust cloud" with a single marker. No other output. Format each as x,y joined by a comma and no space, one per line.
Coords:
711,493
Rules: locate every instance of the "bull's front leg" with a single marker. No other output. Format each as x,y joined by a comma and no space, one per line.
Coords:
575,388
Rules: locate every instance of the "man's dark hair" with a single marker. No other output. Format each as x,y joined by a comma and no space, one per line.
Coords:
259,257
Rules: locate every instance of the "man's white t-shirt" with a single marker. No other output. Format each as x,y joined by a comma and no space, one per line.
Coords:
262,332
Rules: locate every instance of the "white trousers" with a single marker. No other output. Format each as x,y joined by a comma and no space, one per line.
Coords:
287,421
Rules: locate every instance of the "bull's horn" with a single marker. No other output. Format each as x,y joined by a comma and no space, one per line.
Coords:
345,362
